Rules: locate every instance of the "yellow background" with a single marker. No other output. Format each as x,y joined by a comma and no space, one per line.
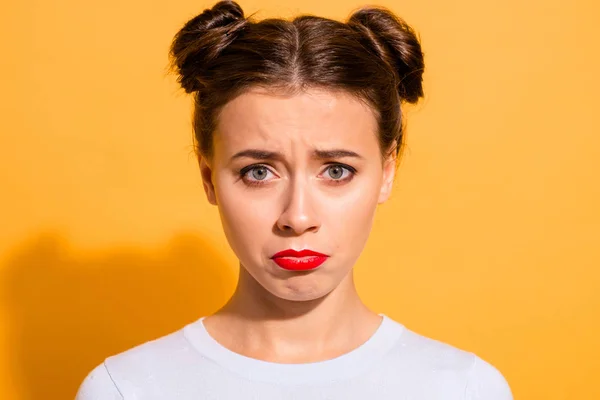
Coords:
490,243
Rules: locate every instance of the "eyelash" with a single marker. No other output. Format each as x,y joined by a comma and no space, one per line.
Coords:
244,172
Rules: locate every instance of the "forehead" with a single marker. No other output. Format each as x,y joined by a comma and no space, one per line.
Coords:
312,118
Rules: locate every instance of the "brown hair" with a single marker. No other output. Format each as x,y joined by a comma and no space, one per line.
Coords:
374,55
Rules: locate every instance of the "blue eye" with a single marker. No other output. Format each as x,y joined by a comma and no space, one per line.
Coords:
340,173
256,174
259,173
336,172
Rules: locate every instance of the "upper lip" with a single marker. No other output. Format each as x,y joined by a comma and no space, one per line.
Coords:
300,253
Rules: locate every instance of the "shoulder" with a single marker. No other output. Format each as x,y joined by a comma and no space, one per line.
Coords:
428,354
149,355
451,367
98,385
486,382
139,367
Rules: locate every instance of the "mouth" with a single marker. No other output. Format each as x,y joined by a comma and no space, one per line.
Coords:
303,260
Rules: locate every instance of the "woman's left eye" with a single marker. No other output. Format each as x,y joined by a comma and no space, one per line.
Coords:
338,172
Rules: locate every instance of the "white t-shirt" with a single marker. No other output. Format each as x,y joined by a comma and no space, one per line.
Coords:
395,363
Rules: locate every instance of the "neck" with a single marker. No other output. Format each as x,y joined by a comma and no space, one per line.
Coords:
258,324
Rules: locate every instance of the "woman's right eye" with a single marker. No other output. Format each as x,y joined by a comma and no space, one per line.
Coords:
256,174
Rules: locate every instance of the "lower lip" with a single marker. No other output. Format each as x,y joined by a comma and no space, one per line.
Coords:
300,263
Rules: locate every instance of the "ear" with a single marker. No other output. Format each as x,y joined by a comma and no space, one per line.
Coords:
207,182
389,171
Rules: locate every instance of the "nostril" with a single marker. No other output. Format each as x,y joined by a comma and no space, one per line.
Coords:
286,228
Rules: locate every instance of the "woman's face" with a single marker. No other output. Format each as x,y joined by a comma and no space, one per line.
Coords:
297,172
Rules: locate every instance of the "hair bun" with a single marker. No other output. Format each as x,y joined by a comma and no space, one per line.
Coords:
396,43
202,39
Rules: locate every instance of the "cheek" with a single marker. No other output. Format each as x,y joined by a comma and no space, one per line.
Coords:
247,216
350,215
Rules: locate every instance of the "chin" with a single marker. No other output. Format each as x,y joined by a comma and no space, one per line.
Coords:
299,287
301,297
296,290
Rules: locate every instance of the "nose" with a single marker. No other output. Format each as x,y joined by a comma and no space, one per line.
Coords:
298,215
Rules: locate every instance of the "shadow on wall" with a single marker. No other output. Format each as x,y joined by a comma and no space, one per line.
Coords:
68,311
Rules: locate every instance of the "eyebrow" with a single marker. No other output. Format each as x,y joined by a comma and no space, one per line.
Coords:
273,155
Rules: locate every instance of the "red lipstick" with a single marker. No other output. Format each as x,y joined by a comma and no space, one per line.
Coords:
303,260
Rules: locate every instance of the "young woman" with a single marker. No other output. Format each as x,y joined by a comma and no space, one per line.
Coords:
298,127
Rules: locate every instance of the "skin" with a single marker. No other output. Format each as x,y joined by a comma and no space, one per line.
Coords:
293,199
